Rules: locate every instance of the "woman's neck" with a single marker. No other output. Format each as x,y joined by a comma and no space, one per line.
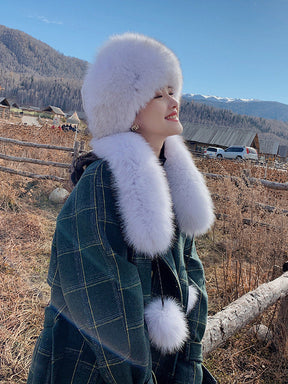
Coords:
155,142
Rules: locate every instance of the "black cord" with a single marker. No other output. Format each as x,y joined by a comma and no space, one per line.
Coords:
160,280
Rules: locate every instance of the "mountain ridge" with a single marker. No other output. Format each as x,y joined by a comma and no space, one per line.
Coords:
251,107
25,54
33,73
198,96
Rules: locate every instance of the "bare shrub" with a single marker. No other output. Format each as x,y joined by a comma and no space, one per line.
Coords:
247,247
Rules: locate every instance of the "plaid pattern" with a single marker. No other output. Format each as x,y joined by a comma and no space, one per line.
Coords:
94,329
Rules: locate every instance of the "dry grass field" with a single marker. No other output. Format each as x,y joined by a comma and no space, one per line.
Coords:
246,247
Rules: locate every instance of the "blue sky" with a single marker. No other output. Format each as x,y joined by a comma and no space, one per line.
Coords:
227,48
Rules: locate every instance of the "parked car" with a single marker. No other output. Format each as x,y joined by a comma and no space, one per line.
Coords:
212,151
239,153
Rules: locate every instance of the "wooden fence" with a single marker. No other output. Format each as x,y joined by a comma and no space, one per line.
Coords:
248,307
76,150
252,180
244,310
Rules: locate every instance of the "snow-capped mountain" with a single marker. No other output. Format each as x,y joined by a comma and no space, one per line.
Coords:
192,96
252,107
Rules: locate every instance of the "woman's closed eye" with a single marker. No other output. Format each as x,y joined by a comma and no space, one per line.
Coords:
161,94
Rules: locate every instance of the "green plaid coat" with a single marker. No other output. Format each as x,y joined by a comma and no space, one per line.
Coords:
94,329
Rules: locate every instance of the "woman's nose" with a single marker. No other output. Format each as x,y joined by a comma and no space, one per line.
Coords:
173,103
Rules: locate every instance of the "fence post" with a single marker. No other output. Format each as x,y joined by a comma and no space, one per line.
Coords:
281,328
82,144
76,150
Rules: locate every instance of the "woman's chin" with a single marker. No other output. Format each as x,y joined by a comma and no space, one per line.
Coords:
177,129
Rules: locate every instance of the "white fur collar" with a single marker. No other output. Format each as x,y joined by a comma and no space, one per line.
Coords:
147,195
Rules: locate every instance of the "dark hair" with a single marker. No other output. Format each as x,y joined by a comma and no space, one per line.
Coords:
80,164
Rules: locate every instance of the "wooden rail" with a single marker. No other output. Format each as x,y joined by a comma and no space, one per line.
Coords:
34,161
35,145
265,207
242,311
265,183
32,175
78,147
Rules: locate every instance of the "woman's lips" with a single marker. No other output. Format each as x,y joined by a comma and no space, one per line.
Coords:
173,116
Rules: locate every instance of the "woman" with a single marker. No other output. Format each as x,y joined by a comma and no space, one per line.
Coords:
128,300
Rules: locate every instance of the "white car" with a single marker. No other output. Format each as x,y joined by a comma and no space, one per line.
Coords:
239,153
212,151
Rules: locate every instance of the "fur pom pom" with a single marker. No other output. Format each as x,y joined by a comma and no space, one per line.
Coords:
192,298
167,325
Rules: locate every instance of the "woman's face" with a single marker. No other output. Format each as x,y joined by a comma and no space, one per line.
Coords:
160,117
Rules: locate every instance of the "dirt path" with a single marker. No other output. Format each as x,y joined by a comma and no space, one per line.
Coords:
30,120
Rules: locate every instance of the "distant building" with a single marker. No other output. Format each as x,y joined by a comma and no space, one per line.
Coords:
4,108
269,148
283,152
73,120
15,105
30,108
55,111
198,135
273,150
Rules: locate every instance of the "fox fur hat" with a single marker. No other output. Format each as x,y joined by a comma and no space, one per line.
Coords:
124,77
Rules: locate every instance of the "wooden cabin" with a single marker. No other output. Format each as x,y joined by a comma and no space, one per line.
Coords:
4,108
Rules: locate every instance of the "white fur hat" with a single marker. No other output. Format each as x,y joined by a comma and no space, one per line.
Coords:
127,72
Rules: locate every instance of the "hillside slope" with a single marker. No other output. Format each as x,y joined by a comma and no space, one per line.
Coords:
33,73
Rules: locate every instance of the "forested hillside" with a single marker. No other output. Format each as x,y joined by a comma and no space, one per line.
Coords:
210,116
33,73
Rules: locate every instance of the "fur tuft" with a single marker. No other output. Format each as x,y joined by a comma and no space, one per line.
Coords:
192,298
192,201
167,325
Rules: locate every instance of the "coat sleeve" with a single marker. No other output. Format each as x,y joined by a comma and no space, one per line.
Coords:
102,289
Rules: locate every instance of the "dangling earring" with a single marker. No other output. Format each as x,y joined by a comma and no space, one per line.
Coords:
134,127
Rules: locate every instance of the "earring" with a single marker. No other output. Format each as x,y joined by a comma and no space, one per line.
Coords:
134,127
